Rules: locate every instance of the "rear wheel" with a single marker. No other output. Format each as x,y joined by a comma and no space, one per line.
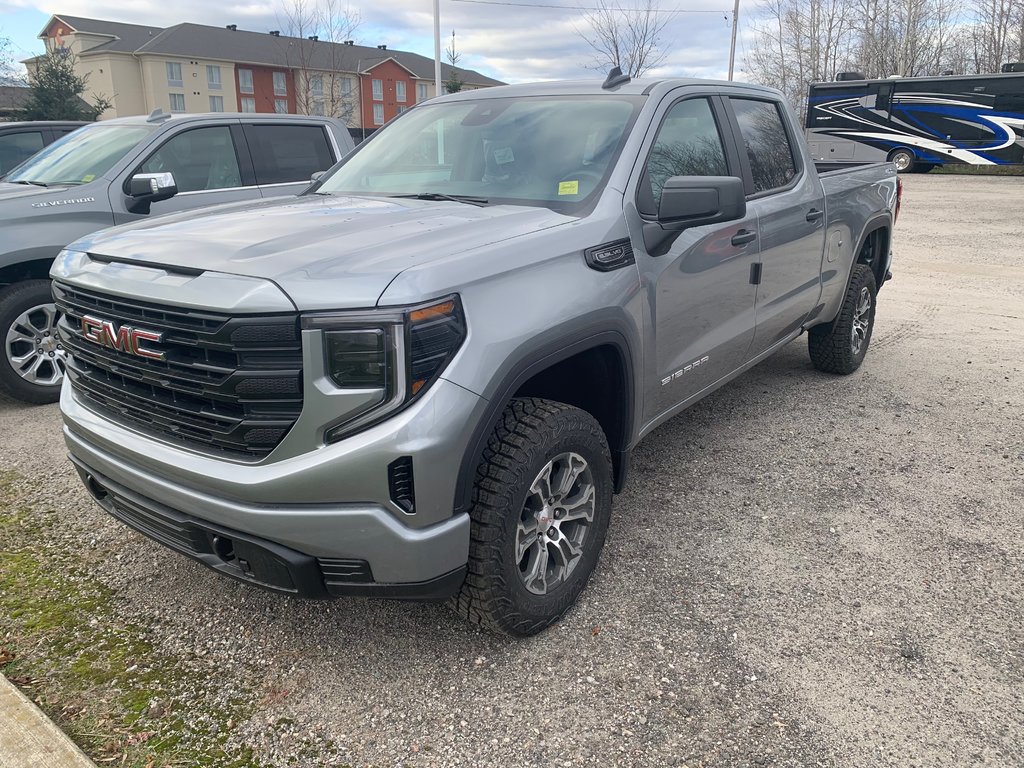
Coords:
840,346
903,159
541,507
32,367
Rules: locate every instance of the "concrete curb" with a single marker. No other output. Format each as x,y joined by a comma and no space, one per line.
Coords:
29,739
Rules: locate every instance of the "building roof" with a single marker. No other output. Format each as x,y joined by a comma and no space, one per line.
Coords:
205,42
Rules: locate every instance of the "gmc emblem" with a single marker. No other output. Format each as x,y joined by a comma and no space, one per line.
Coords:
124,339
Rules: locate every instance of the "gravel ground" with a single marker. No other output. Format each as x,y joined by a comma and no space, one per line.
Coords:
804,571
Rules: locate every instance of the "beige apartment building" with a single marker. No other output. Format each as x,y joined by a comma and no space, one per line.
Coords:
198,68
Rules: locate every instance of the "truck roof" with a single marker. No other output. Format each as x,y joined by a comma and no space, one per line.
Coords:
40,124
641,86
180,117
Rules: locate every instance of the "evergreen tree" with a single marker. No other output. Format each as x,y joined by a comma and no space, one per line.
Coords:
56,90
454,83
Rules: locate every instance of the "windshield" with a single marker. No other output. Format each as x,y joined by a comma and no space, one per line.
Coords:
81,156
549,151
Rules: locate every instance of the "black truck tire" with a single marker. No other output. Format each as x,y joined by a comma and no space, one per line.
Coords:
32,363
840,346
506,587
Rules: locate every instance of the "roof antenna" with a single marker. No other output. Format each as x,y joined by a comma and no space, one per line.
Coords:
157,116
615,78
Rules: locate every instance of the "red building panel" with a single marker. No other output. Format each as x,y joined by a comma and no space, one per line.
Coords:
263,87
390,73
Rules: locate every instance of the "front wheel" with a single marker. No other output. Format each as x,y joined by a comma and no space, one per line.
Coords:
32,367
840,346
541,506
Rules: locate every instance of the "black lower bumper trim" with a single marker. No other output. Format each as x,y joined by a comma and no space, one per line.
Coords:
252,559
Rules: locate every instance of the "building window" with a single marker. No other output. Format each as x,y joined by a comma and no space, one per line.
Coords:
318,108
248,104
346,86
378,90
213,77
245,81
174,74
378,114
402,110
280,86
177,102
281,106
316,85
421,92
400,90
216,103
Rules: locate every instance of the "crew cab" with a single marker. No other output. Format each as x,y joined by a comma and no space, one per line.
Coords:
124,170
424,377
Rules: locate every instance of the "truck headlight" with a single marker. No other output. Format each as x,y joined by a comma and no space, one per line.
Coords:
388,358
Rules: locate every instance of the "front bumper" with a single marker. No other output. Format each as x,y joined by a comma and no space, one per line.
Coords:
322,522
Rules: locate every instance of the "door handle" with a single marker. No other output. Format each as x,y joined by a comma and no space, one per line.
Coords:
743,237
814,214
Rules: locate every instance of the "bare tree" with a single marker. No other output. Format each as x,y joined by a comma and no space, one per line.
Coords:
797,42
626,34
996,35
8,74
325,72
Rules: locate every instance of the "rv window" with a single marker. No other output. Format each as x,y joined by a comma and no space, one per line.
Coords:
884,96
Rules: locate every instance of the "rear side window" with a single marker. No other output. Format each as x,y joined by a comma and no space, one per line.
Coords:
688,144
288,153
766,143
15,148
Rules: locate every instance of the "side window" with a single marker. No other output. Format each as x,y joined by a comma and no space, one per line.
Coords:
200,159
688,144
766,143
288,153
15,148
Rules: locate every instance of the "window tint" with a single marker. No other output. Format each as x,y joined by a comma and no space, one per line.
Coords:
15,148
766,142
688,144
288,153
200,159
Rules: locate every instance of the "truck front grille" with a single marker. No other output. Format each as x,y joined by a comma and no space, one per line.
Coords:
226,385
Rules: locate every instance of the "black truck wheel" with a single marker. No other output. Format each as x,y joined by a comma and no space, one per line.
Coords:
840,346
541,504
32,365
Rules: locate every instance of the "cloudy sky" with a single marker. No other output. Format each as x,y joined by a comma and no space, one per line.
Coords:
509,42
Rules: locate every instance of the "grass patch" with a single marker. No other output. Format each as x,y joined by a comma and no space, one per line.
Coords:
97,676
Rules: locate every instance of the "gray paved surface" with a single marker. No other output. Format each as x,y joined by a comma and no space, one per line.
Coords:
805,570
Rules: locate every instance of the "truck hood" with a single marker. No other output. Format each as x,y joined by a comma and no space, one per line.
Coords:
24,191
324,252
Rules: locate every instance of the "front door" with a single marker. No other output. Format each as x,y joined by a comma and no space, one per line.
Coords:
207,169
699,291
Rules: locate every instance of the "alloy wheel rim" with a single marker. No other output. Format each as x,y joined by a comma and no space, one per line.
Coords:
861,321
554,522
902,161
33,348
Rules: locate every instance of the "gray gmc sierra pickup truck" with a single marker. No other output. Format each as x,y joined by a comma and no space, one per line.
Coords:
424,376
123,170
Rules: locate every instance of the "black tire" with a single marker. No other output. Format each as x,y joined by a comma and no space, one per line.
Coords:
832,346
16,299
531,433
903,159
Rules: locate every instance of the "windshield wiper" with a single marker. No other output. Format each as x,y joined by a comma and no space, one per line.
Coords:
480,201
34,183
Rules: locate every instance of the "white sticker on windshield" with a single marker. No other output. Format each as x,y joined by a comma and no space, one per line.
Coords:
504,156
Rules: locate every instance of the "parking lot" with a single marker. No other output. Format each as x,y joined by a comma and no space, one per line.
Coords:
804,571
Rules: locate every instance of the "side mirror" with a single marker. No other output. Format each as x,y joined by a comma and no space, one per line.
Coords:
147,188
692,201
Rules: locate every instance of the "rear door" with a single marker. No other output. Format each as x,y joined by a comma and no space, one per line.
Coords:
787,199
210,166
286,155
700,298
